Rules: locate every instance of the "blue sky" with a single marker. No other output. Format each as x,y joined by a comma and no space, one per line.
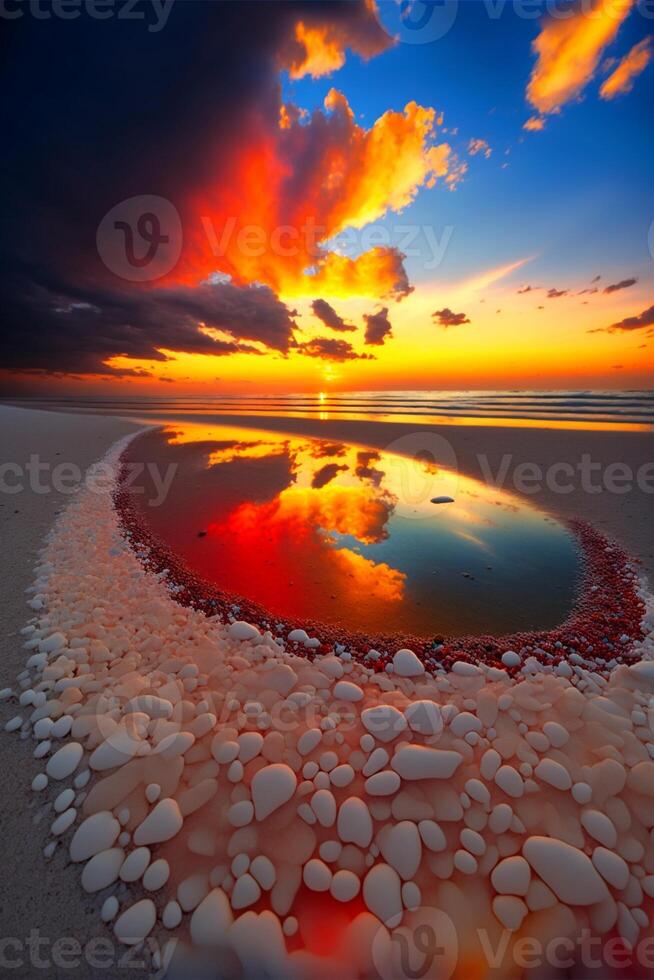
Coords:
578,196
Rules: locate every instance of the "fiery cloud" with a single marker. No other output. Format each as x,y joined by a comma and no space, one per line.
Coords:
319,49
377,272
347,510
295,186
568,52
379,580
621,79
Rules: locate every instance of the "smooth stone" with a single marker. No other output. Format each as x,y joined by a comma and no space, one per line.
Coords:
135,863
156,875
347,691
512,876
424,717
136,922
97,833
316,875
272,787
612,867
384,722
383,783
553,773
510,911
161,824
421,762
406,664
243,631
382,893
65,761
354,823
401,847
344,886
102,870
566,870
211,919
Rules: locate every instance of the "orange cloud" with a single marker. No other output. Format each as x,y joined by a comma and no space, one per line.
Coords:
322,54
378,272
318,49
569,50
476,146
295,185
369,578
621,80
534,124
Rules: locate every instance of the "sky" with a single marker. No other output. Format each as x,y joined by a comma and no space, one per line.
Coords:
206,198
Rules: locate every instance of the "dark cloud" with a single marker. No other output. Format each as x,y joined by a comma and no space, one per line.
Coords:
555,293
623,284
644,319
583,292
528,289
332,349
595,279
326,474
446,318
378,327
56,330
365,471
108,111
329,316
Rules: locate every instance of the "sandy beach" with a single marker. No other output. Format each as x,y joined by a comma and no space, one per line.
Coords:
46,895
35,895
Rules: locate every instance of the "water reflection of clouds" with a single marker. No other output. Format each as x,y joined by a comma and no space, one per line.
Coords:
348,523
